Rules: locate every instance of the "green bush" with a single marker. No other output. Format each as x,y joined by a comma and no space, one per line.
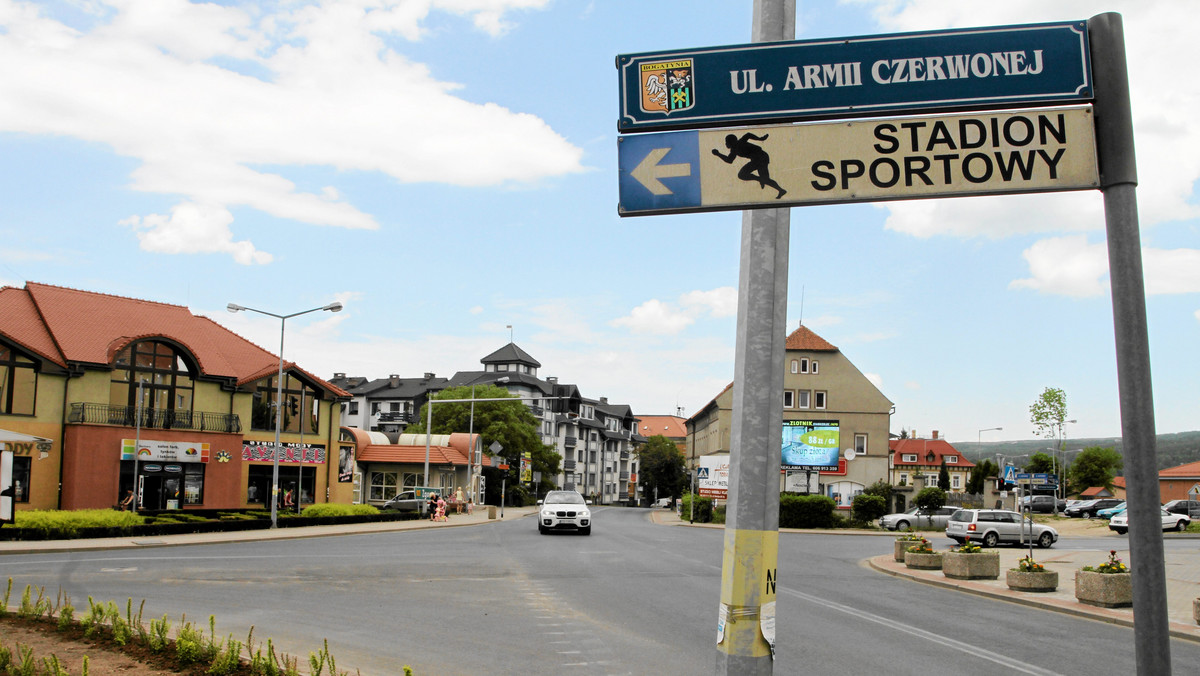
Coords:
326,510
67,523
806,511
704,508
718,514
867,508
930,498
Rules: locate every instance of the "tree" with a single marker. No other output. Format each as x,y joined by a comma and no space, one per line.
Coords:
866,508
1095,466
979,474
1049,412
1040,463
943,476
508,422
930,499
662,468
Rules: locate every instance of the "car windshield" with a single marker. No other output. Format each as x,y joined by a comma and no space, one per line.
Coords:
565,498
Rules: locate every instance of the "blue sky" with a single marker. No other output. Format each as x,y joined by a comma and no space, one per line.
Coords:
447,168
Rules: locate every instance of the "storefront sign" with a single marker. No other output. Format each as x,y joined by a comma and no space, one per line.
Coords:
294,453
712,476
164,451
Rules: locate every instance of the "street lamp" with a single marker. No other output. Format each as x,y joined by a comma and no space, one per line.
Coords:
234,307
979,437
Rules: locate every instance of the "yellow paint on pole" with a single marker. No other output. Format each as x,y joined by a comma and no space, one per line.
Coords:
749,574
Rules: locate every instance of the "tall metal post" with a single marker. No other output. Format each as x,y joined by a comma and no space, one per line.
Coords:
746,614
1118,182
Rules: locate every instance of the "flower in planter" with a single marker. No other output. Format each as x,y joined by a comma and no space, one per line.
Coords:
909,537
922,547
1112,565
968,547
1028,565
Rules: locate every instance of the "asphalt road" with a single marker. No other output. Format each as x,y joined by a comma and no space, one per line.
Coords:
632,598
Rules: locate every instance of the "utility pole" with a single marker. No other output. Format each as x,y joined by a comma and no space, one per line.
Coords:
746,614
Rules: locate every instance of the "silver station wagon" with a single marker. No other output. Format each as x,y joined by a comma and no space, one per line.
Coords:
993,526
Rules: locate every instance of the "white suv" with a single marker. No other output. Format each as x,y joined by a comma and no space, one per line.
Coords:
564,510
993,526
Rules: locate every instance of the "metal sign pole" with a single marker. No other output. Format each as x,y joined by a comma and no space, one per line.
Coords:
746,614
1118,178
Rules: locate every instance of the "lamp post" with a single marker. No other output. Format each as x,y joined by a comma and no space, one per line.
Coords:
234,307
979,437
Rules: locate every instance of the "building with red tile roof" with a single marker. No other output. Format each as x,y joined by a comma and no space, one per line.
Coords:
1181,482
916,457
118,387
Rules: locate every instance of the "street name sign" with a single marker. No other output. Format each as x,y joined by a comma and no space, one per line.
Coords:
985,153
997,67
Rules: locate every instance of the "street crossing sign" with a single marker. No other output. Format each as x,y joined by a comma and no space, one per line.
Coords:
1010,474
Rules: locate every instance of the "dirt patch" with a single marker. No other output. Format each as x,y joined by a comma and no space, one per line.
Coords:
70,647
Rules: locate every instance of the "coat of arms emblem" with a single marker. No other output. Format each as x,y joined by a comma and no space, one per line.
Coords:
667,86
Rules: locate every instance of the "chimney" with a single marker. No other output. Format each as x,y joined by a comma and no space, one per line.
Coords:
429,376
394,381
337,376
935,434
553,380
604,400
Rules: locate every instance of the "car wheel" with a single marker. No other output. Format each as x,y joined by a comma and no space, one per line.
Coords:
1181,525
958,540
1120,531
541,529
586,530
1045,540
1088,515
901,525
991,540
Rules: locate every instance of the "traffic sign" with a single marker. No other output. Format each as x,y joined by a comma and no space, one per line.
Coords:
1010,474
1003,66
1036,150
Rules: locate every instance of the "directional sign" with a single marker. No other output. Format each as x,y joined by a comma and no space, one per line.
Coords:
1038,150
1007,66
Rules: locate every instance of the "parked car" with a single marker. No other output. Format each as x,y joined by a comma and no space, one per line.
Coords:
1170,521
1042,503
407,501
1110,512
1189,507
662,502
993,526
1088,508
564,510
915,518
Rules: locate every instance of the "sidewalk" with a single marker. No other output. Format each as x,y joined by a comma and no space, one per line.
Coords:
480,516
1183,577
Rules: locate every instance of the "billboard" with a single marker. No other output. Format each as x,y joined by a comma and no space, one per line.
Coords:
712,476
810,445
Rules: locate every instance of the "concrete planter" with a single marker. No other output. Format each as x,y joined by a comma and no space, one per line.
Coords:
923,561
902,548
1196,610
1032,582
974,566
1107,590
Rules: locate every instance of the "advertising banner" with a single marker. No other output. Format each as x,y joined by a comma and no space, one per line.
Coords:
7,491
810,445
294,453
712,476
149,450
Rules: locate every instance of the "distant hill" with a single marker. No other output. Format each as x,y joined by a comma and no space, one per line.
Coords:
1172,449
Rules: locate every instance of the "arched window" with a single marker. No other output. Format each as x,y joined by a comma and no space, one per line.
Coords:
301,403
167,380
18,382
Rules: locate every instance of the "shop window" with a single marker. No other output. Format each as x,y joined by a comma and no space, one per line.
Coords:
383,485
18,382
297,478
165,485
20,478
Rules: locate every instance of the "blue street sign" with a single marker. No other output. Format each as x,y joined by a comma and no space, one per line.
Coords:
1010,474
1005,66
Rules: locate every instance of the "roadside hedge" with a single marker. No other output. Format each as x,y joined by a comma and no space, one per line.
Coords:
806,511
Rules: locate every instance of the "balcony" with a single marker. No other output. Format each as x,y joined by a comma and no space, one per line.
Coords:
537,411
624,455
394,417
569,442
568,465
624,477
154,418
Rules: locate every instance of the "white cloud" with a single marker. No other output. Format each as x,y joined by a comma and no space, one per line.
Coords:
876,380
478,309
164,82
1070,266
660,318
912,385
194,228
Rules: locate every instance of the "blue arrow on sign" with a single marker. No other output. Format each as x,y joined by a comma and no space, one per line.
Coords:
659,172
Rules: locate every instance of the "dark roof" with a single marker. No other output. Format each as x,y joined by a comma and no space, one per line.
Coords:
510,354
468,378
405,388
